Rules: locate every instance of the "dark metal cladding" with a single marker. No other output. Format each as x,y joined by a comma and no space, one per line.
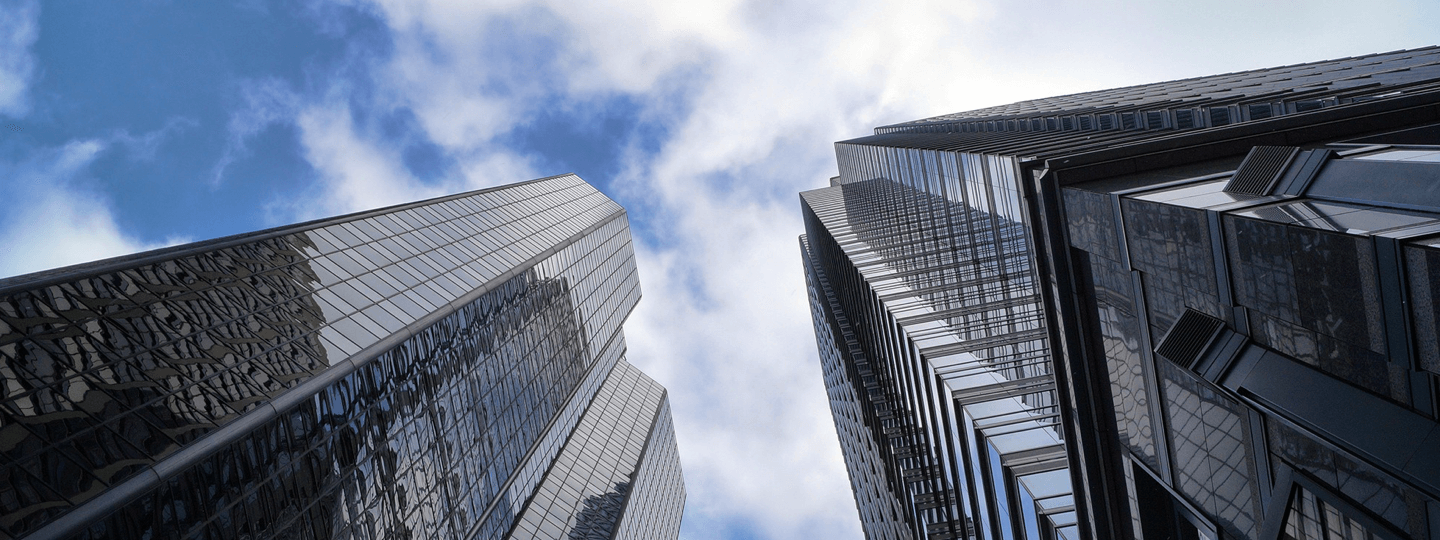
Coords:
1202,308
418,371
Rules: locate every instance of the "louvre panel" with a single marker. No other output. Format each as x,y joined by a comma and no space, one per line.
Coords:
1188,339
1257,174
1087,122
1184,118
1155,120
1260,111
1107,121
1219,116
1127,121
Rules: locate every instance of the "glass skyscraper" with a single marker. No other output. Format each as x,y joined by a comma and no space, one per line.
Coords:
1202,308
449,368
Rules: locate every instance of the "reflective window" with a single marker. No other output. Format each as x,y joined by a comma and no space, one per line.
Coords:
108,373
1426,155
1311,518
1211,450
1402,507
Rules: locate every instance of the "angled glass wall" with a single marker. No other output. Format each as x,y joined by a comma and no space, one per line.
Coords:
1289,421
922,258
1131,287
413,371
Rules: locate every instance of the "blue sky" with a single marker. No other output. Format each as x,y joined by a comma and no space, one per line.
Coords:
130,125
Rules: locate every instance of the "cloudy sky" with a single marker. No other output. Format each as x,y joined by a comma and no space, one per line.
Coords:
131,125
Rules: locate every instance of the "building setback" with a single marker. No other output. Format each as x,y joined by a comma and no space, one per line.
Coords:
448,368
1195,309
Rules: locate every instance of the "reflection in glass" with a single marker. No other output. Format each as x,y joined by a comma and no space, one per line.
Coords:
446,433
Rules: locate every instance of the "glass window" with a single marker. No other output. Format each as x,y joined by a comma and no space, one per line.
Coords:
997,482
367,229
351,295
1425,154
1312,518
382,287
1315,297
346,237
1211,449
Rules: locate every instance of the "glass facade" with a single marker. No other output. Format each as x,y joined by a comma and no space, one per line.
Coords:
408,372
1116,315
1295,278
930,327
584,494
877,496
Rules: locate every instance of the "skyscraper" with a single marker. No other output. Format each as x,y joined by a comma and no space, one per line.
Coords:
1194,309
448,368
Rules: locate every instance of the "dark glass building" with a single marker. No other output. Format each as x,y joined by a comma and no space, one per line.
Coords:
1203,308
452,368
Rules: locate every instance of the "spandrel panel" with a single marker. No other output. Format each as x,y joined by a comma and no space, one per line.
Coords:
1314,295
1423,266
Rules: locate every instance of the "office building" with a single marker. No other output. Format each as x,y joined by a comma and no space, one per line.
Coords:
451,368
1202,308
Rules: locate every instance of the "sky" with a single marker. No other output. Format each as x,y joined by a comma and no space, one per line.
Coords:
131,125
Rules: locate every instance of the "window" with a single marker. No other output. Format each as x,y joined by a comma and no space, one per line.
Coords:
1313,518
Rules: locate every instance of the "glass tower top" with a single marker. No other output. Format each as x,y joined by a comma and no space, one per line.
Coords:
418,371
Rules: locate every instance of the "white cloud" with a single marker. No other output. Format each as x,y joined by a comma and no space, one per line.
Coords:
61,223
359,169
355,172
19,28
753,94
143,147
267,102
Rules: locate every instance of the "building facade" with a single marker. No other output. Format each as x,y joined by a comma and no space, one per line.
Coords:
1194,309
448,368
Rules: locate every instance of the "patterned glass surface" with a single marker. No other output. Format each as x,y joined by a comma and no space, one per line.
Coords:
584,493
658,501
1092,225
444,431
1211,450
1312,518
1127,359
1171,245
